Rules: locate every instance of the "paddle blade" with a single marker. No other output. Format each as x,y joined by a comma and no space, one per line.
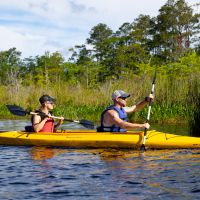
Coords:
143,148
83,122
16,110
87,124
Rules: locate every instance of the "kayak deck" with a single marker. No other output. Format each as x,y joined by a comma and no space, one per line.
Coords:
93,139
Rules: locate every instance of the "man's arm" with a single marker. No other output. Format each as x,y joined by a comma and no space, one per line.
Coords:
114,119
136,107
139,105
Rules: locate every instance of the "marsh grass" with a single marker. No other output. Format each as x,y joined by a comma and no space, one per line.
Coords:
194,101
170,105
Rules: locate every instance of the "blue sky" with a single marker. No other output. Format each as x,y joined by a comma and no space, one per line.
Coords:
36,26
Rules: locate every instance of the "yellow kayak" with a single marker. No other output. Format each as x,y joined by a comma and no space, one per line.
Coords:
93,139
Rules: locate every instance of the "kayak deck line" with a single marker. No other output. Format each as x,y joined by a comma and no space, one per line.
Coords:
93,139
167,135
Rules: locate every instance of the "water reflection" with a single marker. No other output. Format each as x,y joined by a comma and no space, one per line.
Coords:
13,124
9,125
124,157
181,129
56,173
59,173
45,153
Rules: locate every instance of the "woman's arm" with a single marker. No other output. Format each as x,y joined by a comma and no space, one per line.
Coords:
37,123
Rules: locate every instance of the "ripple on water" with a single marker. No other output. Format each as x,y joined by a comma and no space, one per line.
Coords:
45,173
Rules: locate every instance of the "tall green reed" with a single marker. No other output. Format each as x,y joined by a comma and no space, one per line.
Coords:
194,102
79,102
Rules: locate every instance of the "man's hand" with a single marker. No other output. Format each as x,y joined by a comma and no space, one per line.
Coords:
149,98
146,125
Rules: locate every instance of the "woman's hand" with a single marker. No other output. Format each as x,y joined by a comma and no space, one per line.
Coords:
60,121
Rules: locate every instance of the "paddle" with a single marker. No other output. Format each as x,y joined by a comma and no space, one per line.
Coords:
17,110
142,148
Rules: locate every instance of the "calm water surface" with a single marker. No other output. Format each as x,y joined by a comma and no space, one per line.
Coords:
55,173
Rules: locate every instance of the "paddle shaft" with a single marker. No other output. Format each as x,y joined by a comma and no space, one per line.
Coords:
149,110
17,110
54,117
85,123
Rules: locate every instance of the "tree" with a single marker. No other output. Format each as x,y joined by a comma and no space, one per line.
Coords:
28,70
80,54
99,39
124,34
10,64
173,29
141,30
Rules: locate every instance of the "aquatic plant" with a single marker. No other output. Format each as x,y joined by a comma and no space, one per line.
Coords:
194,113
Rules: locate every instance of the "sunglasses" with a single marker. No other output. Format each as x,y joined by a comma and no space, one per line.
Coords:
50,103
124,98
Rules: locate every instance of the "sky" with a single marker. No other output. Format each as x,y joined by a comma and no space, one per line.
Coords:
37,26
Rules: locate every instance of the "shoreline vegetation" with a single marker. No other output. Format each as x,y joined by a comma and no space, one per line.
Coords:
124,59
174,98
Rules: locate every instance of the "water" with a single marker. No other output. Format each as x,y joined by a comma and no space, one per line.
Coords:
56,173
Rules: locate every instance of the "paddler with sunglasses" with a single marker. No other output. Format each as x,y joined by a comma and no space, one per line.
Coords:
114,118
43,121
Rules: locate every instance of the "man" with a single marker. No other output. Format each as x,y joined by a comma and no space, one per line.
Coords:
43,121
114,118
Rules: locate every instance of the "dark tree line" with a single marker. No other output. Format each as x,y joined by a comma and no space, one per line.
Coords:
159,40
155,40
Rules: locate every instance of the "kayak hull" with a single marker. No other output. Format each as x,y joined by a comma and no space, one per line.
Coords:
93,139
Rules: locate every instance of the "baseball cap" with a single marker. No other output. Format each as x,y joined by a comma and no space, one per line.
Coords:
44,98
119,93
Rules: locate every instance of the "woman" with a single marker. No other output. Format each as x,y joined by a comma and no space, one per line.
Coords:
43,122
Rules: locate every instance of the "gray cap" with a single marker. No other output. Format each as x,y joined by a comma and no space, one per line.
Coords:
44,98
119,93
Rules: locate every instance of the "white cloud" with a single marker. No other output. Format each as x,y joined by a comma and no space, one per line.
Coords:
35,26
26,43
